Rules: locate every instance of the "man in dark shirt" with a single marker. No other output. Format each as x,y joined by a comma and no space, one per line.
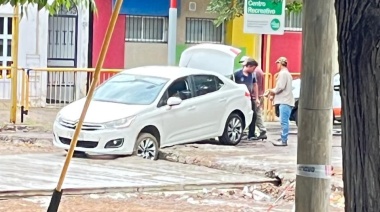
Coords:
246,76
259,109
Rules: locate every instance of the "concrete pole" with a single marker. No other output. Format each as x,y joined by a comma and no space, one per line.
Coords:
172,32
315,107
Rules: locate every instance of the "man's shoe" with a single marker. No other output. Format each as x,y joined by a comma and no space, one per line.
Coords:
254,138
279,143
262,136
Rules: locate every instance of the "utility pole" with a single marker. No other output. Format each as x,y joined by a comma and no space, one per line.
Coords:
315,106
172,33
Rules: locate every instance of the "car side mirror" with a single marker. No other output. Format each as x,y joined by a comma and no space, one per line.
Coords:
173,101
336,87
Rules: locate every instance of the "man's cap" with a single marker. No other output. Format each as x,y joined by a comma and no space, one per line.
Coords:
243,59
282,60
249,61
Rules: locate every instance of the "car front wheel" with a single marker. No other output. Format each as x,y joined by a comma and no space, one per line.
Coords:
233,131
147,146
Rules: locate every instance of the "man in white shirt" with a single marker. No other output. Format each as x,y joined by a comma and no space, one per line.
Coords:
283,97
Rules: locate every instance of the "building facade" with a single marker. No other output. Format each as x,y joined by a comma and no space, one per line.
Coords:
140,37
73,38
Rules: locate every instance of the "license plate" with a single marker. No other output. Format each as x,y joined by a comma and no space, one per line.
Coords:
71,135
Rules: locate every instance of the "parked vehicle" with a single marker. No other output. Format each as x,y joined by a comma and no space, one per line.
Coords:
296,84
142,109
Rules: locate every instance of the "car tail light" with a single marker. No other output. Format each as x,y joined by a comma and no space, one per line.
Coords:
247,94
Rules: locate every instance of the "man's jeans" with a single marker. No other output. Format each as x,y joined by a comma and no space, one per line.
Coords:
285,111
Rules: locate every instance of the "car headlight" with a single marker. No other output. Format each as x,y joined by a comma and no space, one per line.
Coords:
120,123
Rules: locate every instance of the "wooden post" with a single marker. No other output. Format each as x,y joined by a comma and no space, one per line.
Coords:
57,193
267,71
15,36
315,107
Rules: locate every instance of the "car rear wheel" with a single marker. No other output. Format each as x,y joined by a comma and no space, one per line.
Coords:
147,146
233,131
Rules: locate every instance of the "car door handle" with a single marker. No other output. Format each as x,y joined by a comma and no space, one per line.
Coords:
191,108
222,99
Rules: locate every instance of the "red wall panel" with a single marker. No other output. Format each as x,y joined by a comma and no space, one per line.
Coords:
115,55
288,45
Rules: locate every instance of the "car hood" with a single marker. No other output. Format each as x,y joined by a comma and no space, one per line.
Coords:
100,112
210,57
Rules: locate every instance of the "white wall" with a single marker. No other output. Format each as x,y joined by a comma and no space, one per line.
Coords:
33,45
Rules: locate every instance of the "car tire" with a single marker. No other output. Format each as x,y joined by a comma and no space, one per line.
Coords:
233,130
147,146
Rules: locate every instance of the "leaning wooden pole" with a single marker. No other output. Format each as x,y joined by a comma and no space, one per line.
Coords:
57,194
315,107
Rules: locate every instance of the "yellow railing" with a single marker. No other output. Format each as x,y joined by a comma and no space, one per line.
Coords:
55,87
267,103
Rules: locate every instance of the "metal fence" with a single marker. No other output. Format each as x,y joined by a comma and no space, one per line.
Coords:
293,21
203,30
48,87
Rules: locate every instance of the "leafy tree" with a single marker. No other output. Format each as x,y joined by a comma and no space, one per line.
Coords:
227,10
52,7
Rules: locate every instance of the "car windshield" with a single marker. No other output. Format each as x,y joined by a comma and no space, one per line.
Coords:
130,89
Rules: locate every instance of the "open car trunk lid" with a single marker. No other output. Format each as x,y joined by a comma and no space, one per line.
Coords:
211,57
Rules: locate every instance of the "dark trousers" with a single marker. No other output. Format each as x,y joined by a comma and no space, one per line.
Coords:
252,126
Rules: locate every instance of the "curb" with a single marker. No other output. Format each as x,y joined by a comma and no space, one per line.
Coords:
102,190
26,137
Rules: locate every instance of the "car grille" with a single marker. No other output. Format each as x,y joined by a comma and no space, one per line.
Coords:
83,144
85,126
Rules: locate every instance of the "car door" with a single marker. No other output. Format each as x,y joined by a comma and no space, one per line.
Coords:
210,105
179,122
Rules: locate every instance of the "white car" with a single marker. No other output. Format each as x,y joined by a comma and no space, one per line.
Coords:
142,109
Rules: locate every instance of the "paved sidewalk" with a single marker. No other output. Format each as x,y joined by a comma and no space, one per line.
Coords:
37,174
261,158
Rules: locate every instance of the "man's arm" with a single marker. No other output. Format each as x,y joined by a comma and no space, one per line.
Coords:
255,87
280,85
256,90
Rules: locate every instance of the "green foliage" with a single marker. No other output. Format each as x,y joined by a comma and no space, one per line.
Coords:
294,6
53,7
227,10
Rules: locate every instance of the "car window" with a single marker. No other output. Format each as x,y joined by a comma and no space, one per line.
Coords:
179,88
130,89
205,84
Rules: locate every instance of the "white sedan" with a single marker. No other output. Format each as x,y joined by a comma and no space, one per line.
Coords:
142,109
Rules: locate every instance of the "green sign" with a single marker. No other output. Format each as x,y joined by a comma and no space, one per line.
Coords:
264,16
264,7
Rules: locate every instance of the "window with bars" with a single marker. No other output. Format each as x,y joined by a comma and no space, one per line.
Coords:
5,46
202,30
293,21
146,29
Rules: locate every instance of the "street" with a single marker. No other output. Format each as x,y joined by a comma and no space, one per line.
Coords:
199,176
